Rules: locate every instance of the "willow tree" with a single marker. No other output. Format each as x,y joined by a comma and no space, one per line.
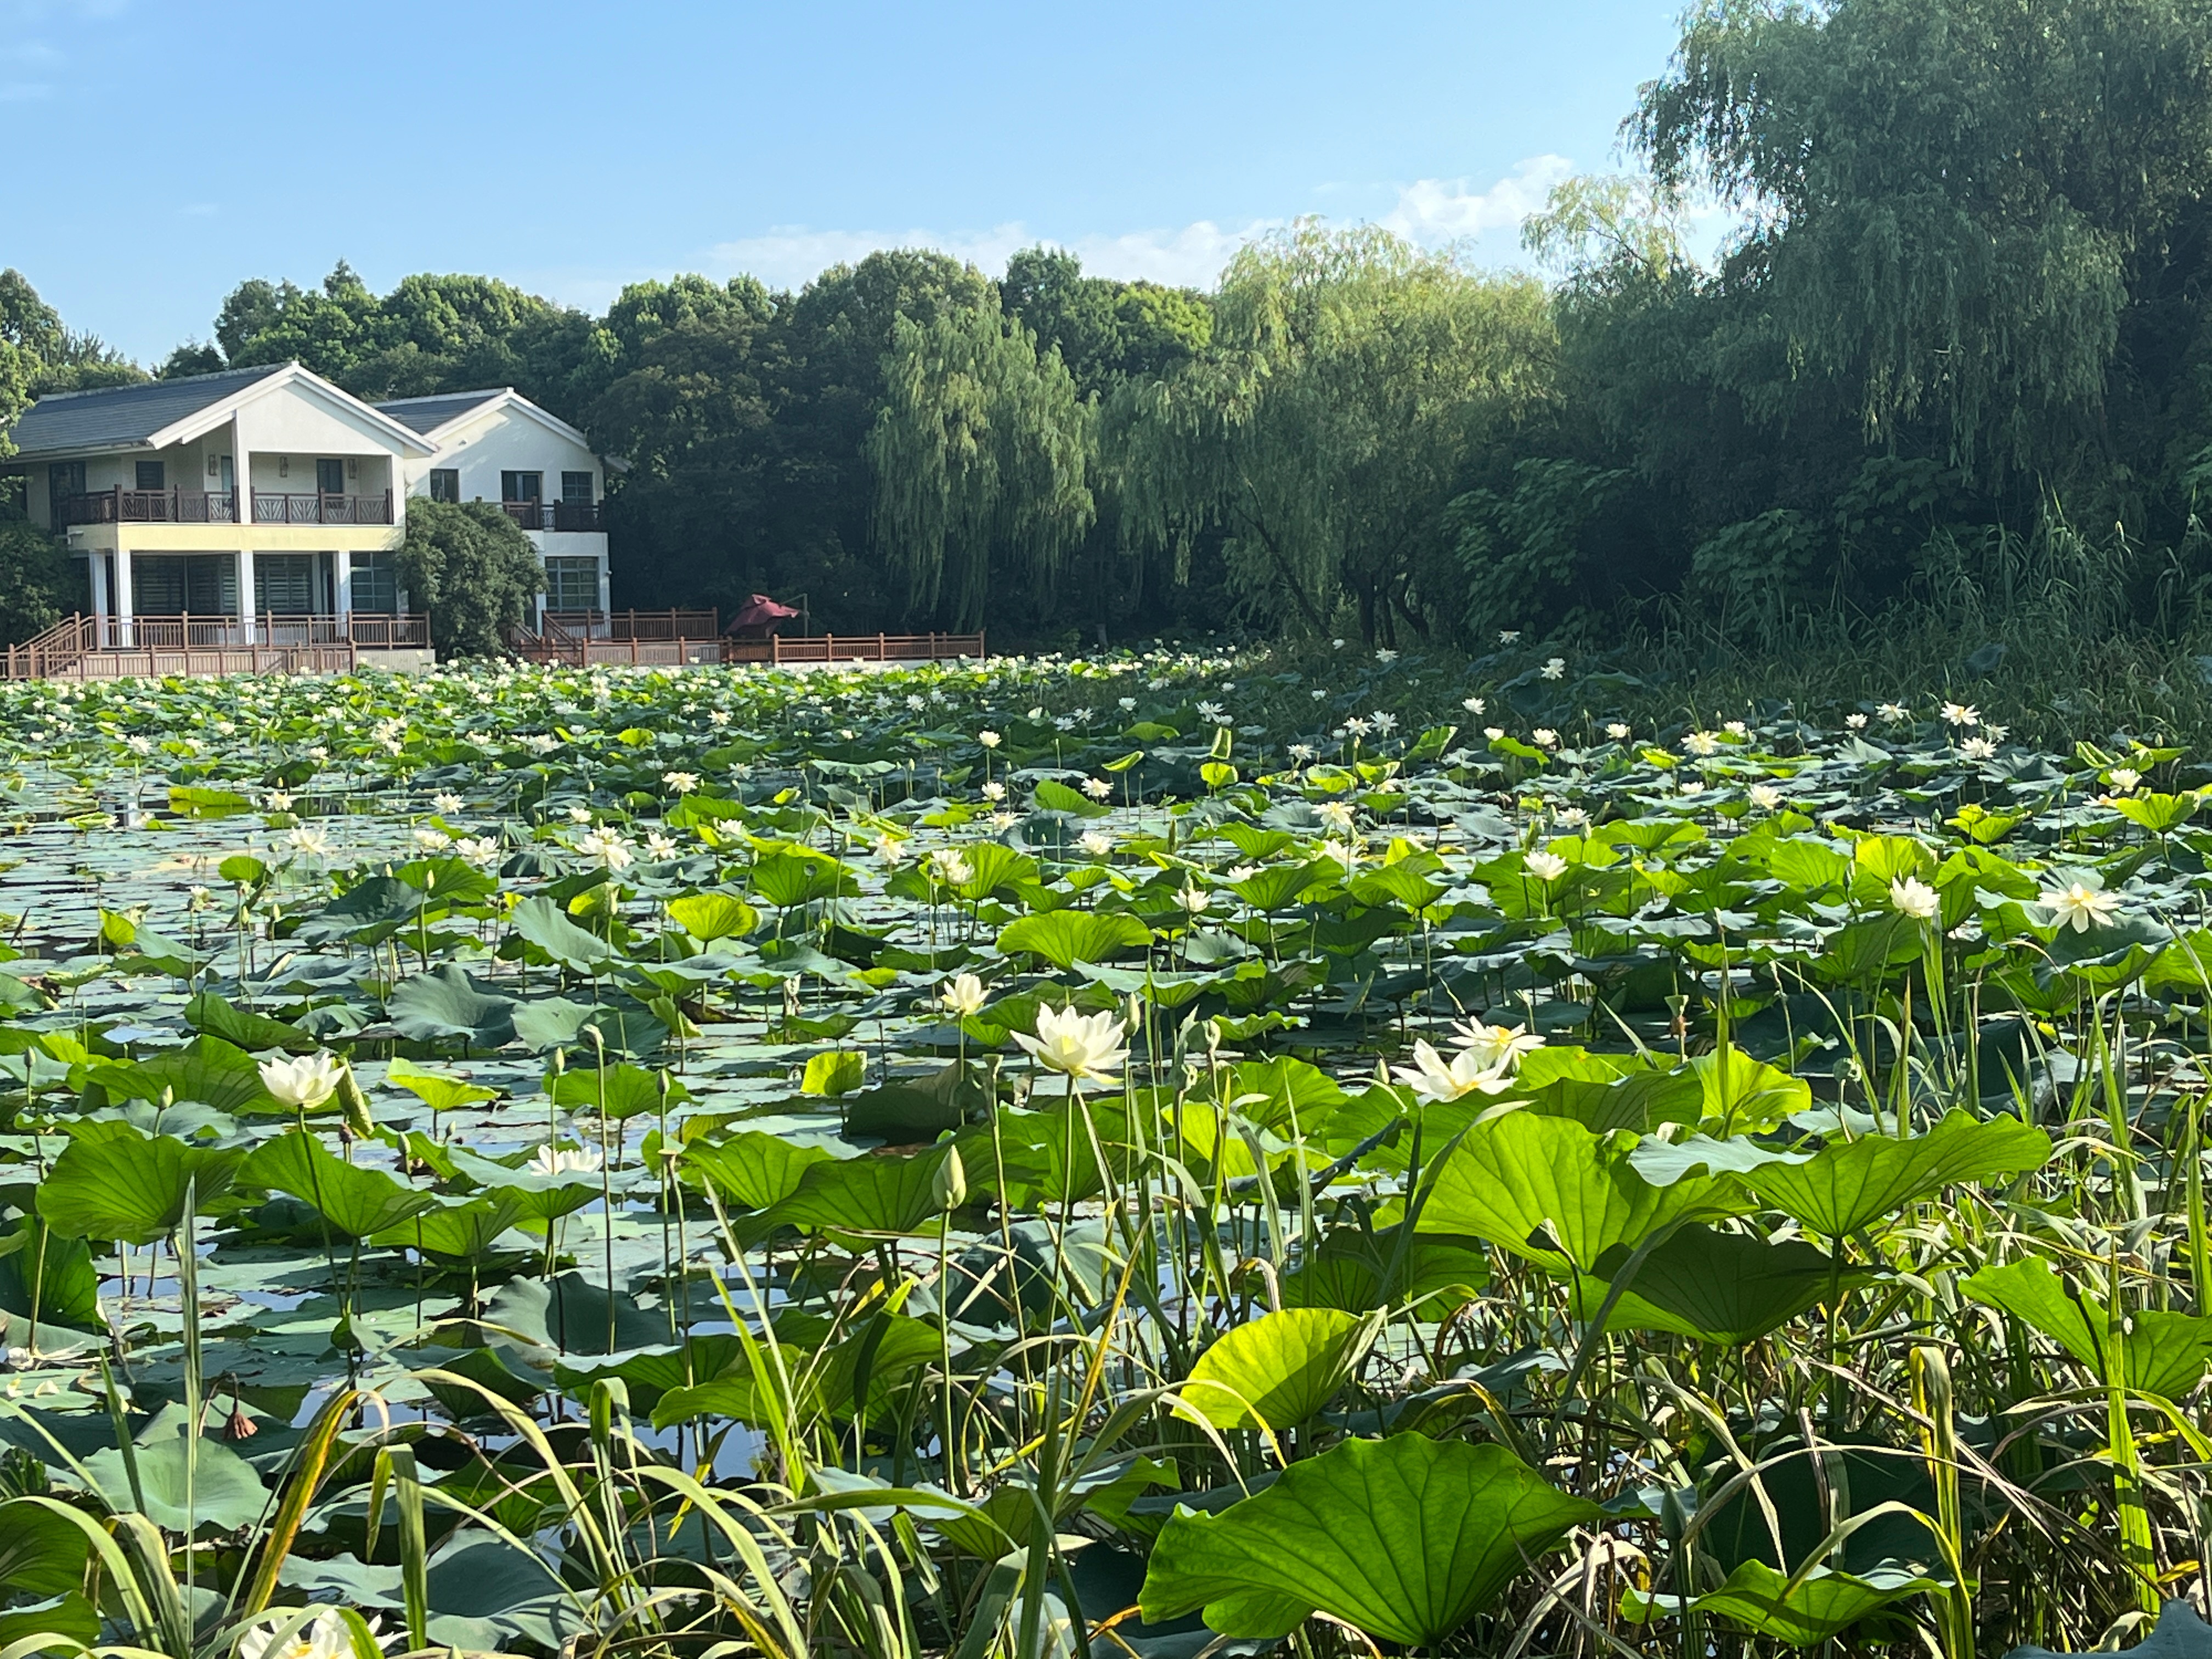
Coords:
1350,377
982,453
1944,199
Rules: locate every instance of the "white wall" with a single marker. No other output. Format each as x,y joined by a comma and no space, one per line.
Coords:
505,439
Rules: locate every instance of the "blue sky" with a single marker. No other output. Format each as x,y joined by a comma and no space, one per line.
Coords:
163,152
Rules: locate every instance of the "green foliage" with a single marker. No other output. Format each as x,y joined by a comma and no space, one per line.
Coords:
36,581
472,568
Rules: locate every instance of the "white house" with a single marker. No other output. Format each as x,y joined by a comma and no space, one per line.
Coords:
265,502
497,446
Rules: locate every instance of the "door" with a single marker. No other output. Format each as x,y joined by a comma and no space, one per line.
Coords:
284,584
330,477
521,486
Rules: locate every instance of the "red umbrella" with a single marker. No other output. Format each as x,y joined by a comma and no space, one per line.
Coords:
759,612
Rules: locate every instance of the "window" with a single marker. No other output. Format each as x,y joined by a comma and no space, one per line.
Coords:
63,479
330,477
285,584
445,485
571,584
576,487
183,584
522,486
151,475
376,581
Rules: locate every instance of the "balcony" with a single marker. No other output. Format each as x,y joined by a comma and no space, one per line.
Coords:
176,506
556,515
148,507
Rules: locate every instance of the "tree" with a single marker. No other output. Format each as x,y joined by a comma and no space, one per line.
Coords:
472,568
1106,332
1350,380
34,580
980,450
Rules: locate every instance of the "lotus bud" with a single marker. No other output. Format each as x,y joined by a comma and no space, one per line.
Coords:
949,1188
354,1104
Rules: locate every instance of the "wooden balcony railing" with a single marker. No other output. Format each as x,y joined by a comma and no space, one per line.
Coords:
555,515
272,508
854,648
636,624
109,648
171,506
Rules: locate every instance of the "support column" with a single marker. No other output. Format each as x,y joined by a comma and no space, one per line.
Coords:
242,465
96,569
123,609
342,582
606,605
246,595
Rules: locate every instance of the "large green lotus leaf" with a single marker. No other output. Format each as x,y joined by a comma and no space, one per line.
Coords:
1064,937
213,1013
623,1091
1743,1095
1405,1538
1550,1189
570,1314
1279,1368
709,916
207,1070
111,1181
546,926
794,877
625,1025
68,1615
446,1003
540,1197
753,1167
465,1229
2162,1352
653,1372
1848,1185
873,1194
226,1492
62,1272
436,1090
41,1553
1817,1607
371,911
360,1202
1359,1272
1719,1287
1280,886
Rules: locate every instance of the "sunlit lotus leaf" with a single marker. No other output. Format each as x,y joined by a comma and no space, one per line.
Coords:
1848,1185
111,1181
1404,1538
1550,1189
1276,1371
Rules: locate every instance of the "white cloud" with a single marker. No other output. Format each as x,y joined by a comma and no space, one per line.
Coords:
1428,211
1434,210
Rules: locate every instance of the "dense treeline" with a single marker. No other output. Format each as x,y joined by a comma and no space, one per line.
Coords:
1954,362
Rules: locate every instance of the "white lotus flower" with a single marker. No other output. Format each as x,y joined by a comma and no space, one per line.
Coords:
988,740
1434,1079
659,846
1473,705
1701,742
304,1081
1079,1046
1096,842
446,802
1978,749
1913,897
2081,907
961,995
681,782
1495,1047
1555,669
323,1636
551,1160
1617,729
608,847
1893,712
947,866
1097,788
2124,778
1196,900
1962,714
994,790
1545,867
1857,722
1765,797
306,842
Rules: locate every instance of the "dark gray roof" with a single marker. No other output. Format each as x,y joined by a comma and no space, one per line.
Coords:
117,417
426,415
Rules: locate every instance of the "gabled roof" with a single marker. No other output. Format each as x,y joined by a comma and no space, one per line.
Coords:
163,412
434,417
426,415
120,417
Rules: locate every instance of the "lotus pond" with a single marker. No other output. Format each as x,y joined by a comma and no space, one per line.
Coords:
1151,1156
